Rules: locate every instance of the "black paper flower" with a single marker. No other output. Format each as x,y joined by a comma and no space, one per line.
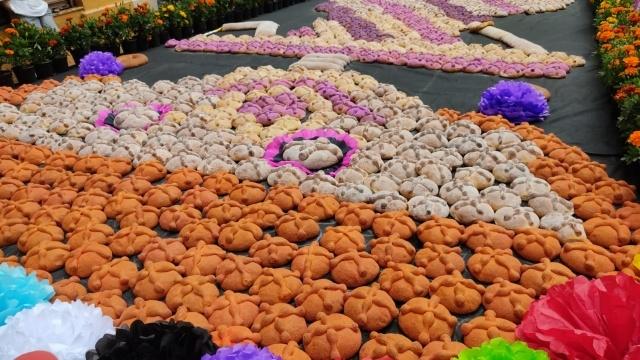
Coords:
155,341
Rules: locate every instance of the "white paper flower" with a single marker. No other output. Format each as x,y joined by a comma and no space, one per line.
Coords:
67,330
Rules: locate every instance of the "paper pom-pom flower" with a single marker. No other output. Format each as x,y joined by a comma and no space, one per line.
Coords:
161,340
99,63
67,330
244,351
582,319
37,355
500,349
20,291
517,101
321,149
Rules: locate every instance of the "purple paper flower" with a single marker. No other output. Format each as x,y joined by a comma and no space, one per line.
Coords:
99,63
517,101
273,152
242,352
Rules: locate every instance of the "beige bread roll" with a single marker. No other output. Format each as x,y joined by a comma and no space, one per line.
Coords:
267,28
316,65
246,25
342,57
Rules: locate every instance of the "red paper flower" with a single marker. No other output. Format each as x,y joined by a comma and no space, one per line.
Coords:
586,320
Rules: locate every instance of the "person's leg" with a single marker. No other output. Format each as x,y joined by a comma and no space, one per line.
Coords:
31,20
48,21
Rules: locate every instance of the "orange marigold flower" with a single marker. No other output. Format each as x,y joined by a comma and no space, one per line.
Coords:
604,26
11,31
53,42
15,21
607,47
631,61
634,138
631,71
9,52
605,36
124,18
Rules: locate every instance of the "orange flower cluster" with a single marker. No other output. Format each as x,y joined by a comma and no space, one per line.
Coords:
634,138
11,31
625,91
618,33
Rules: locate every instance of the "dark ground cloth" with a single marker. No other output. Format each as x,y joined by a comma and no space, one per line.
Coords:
582,112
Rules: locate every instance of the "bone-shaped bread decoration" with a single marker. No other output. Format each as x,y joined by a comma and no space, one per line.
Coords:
263,28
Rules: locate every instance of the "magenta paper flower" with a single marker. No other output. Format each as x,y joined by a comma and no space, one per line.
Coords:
274,151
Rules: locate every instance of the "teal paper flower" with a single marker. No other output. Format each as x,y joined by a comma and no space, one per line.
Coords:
19,291
499,349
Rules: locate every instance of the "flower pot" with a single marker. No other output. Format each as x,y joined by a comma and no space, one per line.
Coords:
199,27
163,37
78,54
175,32
44,70
142,42
236,15
130,46
61,64
246,14
100,47
212,23
6,78
187,31
114,49
26,74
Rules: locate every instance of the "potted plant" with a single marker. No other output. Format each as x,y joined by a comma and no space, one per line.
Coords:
100,38
160,34
199,12
59,51
224,11
141,20
212,14
122,29
175,18
23,38
76,38
185,18
6,58
43,52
